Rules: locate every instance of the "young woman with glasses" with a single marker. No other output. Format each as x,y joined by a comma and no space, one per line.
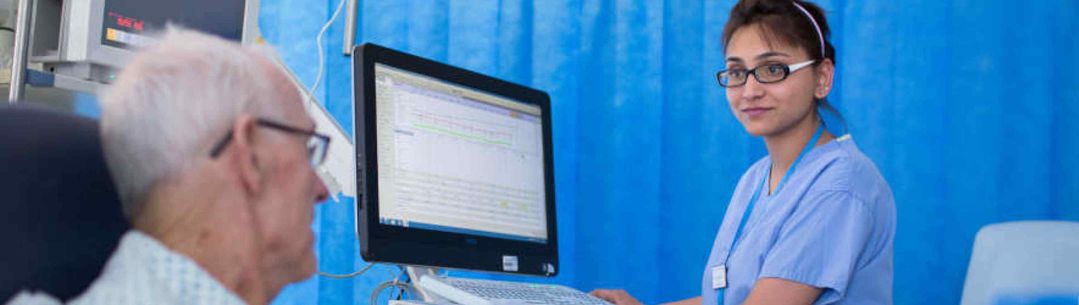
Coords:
813,222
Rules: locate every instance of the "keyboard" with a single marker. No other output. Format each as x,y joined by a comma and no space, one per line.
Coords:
488,292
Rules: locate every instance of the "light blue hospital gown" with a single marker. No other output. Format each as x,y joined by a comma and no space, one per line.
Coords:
144,271
831,226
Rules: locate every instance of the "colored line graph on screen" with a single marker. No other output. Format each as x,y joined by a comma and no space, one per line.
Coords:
464,128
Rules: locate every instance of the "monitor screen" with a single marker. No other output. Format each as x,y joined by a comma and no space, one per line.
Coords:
454,167
127,22
457,159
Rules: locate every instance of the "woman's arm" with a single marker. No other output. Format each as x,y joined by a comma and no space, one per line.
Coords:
774,291
693,301
616,296
621,297
767,291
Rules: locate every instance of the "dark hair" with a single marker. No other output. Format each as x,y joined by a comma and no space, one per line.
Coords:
784,22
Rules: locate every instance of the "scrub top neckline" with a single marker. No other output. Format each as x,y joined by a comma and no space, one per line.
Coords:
812,153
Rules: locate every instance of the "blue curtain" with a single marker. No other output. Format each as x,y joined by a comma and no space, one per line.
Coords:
967,107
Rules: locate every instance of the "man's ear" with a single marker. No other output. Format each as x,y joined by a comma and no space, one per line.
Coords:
825,78
244,156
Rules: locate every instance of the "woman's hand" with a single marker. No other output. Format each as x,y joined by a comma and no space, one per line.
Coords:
616,296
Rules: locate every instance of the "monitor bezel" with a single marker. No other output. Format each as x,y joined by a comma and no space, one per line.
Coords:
430,248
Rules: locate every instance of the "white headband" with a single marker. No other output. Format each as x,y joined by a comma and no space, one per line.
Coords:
815,26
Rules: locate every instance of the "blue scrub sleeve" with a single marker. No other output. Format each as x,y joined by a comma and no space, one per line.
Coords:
820,243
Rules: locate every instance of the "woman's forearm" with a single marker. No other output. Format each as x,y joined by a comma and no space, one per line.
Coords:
692,301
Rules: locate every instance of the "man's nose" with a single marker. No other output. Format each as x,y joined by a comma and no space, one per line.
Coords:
321,193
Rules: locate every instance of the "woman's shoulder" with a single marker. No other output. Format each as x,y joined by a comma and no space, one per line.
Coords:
844,168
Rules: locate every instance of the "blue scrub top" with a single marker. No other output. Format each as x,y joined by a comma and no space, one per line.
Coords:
832,226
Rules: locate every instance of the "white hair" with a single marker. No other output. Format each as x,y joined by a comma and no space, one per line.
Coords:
174,100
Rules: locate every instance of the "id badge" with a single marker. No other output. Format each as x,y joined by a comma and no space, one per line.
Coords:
719,277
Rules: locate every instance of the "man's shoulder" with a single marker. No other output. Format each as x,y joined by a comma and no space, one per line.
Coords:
33,298
144,271
121,293
127,278
123,280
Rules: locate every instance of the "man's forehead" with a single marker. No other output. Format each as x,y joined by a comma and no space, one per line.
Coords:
296,111
287,93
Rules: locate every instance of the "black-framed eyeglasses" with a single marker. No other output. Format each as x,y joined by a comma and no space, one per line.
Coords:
765,74
317,143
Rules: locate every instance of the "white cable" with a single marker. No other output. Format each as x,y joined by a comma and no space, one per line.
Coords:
345,276
318,44
403,287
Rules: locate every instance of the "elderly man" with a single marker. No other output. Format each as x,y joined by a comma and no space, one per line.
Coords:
212,153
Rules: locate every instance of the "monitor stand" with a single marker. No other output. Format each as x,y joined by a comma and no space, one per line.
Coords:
414,273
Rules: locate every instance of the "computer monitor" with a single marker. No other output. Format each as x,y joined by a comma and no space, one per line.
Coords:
454,168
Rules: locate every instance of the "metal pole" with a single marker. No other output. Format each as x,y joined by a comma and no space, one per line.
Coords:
20,52
350,27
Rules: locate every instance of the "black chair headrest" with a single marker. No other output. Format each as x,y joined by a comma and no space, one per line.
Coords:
63,217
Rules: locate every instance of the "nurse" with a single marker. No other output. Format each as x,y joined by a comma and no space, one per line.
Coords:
813,222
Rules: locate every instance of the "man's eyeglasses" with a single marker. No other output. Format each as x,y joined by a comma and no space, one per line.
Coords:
766,74
317,143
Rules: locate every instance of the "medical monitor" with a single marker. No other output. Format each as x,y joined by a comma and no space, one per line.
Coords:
126,22
92,39
454,168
